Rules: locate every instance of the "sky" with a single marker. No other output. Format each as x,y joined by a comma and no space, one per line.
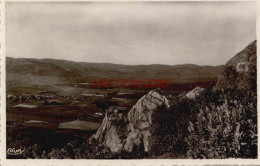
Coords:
132,33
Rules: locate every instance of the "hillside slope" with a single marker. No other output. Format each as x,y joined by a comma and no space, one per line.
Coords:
240,71
29,70
222,121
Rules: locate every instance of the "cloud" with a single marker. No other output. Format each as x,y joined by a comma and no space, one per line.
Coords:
204,33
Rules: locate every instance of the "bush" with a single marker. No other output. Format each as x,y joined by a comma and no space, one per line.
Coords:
224,127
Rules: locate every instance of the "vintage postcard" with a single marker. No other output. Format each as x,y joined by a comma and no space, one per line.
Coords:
129,83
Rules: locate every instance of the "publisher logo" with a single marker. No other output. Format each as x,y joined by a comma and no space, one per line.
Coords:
13,151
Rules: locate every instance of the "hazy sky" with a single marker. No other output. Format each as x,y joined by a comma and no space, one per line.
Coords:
203,33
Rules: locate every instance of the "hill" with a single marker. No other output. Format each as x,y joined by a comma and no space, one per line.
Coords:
24,71
222,121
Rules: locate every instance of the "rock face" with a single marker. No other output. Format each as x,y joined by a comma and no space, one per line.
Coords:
138,130
141,120
240,71
194,93
111,130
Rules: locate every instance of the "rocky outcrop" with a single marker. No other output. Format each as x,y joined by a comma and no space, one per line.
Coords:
240,71
182,95
194,93
142,119
113,127
191,94
140,129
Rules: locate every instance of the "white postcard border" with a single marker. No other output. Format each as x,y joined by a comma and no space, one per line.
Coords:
88,162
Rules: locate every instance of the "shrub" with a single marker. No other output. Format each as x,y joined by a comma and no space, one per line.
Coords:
224,127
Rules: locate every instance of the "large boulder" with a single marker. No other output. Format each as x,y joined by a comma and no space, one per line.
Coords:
142,128
113,127
194,93
142,120
240,71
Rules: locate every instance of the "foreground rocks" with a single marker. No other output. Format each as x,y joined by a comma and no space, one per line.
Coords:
138,129
240,71
142,119
113,127
194,93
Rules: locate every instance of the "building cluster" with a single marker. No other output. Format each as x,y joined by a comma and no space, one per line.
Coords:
44,95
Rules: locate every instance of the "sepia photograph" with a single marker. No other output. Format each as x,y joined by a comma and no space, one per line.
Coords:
131,80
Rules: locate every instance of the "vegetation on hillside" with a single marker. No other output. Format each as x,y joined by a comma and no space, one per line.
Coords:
222,124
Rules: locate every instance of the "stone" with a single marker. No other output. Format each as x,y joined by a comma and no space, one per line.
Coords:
110,131
147,106
194,93
240,71
139,130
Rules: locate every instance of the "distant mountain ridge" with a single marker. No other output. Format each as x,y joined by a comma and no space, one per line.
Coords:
69,71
